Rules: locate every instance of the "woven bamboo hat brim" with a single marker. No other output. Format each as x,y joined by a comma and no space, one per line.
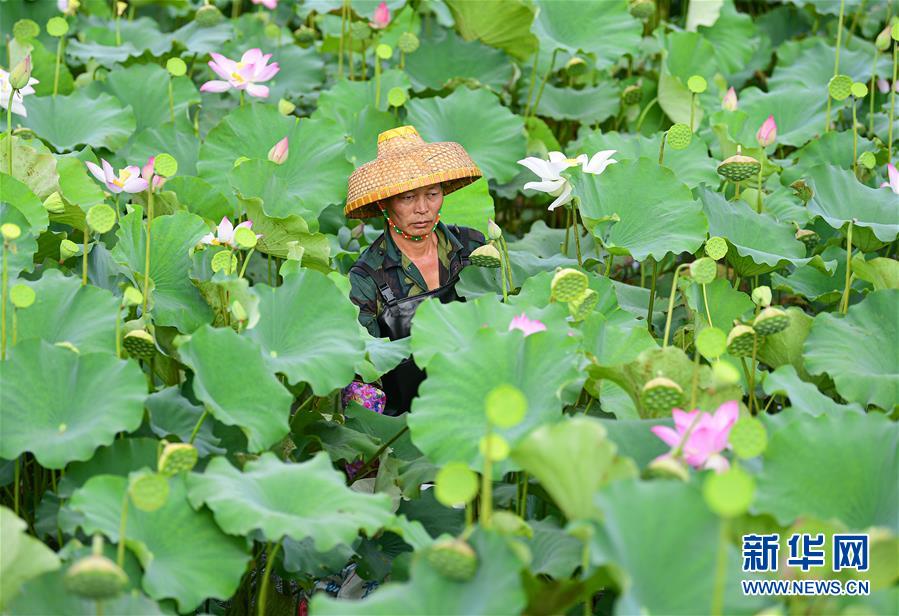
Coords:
406,161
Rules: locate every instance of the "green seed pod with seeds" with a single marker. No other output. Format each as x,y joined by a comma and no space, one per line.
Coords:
802,190
453,559
208,15
716,247
358,30
10,231
642,9
737,168
741,341
761,296
177,458
668,467
486,256
101,218
771,320
704,270
132,297
581,306
660,395
697,84
808,237
632,95
21,296
408,42
25,29
224,260
165,165
679,136
139,343
568,284
95,577
840,87
748,437
148,491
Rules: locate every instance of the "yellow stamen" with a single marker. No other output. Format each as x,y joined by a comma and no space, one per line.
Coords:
237,77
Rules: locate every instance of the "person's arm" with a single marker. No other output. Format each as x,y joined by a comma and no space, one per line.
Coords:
364,294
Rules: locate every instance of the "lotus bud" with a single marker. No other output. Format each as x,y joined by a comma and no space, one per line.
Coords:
761,296
668,467
67,249
486,256
730,100
493,230
132,297
139,344
381,17
568,284
741,341
660,395
883,85
146,171
632,95
53,203
737,168
239,312
771,320
882,42
20,74
177,458
453,558
767,133
285,107
279,152
408,42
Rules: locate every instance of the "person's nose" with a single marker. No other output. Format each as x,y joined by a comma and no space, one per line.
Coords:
421,206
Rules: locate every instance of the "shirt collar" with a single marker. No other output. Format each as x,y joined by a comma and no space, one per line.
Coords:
393,256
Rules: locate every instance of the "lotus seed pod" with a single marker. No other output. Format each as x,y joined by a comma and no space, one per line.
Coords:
67,249
568,284
697,84
10,231
360,30
496,446
285,107
493,230
761,296
867,160
771,320
632,95
65,344
148,491
725,373
716,247
176,67
748,438
808,237
384,51
239,312
132,297
208,15
802,190
272,31
882,42
840,87
576,67
57,26
741,341
894,31
660,395
711,342
100,218
245,238
679,136
581,306
53,203
397,97
21,296
165,165
486,256
224,260
139,344
668,467
25,29
453,559
859,90
95,577
737,168
642,9
408,42
704,270
177,458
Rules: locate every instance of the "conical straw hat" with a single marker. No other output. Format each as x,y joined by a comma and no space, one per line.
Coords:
406,161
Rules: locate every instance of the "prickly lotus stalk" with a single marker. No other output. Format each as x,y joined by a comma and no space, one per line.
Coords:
139,344
454,559
741,340
486,256
770,321
568,284
737,168
660,395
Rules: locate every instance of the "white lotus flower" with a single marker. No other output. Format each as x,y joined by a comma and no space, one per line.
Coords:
551,180
223,235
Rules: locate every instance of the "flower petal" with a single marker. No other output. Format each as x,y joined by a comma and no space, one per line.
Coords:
539,167
547,186
667,434
96,171
562,199
108,171
251,56
257,90
215,85
599,162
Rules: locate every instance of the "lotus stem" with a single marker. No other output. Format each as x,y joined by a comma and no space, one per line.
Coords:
752,401
269,259
87,235
118,332
577,235
241,98
854,23
486,483
527,107
196,430
652,292
245,261
343,19
705,300
270,554
692,110
610,258
585,564
123,524
720,568
15,489
5,292
758,196
872,91
694,386
12,92
377,80
14,324
505,250
171,100
58,63
671,303
235,9
523,500
567,231
855,138
644,112
549,71
662,148
844,302
147,253
502,275
836,62
892,100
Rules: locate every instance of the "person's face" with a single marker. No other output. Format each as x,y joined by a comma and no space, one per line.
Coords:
415,211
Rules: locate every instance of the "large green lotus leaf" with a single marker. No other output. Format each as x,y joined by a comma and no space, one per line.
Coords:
448,417
36,168
248,131
555,553
239,389
76,185
362,130
47,595
838,198
834,148
201,198
657,213
203,39
176,301
881,272
495,589
692,166
603,28
145,88
803,396
809,63
849,473
589,105
20,206
785,348
343,101
798,111
504,25
61,405
137,36
281,499
734,39
185,555
536,292
688,54
445,56
313,176
65,311
572,459
816,284
24,557
120,458
615,339
470,206
634,438
492,135
171,413
308,331
107,123
178,141
665,541
757,243
725,303
278,232
677,101
858,350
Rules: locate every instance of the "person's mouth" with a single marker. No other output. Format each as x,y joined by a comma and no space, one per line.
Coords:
421,225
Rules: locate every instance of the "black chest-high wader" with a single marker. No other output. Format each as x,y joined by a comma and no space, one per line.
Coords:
395,320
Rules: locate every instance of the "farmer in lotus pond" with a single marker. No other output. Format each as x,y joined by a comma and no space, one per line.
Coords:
417,256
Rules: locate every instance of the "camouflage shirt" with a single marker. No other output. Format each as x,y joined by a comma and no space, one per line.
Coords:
403,276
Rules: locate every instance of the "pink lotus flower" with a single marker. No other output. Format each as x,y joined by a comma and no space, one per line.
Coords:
223,235
767,133
269,4
146,172
884,86
279,152
730,100
246,74
128,180
381,18
893,184
18,106
707,439
526,325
